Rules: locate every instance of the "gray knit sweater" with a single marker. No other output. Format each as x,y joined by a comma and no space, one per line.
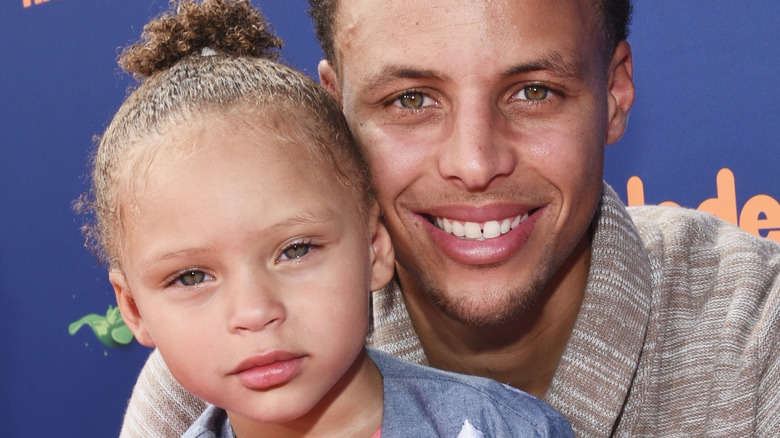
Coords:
677,335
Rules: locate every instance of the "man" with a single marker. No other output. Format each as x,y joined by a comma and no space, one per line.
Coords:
484,124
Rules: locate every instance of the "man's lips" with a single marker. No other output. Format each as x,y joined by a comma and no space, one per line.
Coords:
270,369
479,231
486,242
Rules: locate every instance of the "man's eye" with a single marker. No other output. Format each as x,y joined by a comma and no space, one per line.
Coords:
413,99
296,251
533,92
192,278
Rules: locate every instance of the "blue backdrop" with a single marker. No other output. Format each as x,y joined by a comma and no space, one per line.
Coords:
702,133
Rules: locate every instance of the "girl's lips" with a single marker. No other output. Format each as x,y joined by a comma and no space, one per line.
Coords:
268,370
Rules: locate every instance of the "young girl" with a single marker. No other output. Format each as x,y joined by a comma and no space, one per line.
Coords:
242,238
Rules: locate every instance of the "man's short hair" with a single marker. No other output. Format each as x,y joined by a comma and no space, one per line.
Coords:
615,15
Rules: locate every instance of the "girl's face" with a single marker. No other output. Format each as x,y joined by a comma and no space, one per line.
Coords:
249,266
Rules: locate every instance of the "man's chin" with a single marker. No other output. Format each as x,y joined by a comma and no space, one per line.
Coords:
486,309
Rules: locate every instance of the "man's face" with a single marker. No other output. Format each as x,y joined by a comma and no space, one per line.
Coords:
484,124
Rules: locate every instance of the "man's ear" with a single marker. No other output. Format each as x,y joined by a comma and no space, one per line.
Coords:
620,89
382,255
129,308
329,79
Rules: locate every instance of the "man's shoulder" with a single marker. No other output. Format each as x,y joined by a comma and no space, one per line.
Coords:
706,256
672,219
711,351
671,229
702,265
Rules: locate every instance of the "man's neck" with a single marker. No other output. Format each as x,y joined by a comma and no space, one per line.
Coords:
523,352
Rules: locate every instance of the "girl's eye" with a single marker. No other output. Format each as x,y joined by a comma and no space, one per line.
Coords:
296,251
533,92
192,277
413,100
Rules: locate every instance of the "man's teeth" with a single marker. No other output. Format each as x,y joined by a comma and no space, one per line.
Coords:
479,231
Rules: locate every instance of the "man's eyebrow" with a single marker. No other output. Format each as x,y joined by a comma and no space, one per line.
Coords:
555,63
391,73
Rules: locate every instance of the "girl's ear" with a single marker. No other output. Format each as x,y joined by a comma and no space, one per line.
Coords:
129,308
382,255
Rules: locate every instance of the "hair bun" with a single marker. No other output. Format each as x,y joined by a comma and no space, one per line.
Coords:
230,27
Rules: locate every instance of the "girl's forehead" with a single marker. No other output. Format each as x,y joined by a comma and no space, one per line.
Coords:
243,164
244,169
242,138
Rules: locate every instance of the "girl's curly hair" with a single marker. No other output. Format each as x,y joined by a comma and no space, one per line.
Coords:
216,57
221,25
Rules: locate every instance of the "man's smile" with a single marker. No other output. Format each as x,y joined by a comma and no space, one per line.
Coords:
478,231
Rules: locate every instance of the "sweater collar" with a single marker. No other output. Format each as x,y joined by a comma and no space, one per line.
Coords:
598,366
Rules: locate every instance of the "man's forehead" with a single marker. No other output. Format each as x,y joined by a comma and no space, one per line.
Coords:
424,17
345,8
407,34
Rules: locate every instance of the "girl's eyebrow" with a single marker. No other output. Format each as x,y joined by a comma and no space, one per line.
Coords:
302,218
320,217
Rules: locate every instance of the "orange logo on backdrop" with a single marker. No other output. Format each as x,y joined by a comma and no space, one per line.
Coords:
761,213
28,3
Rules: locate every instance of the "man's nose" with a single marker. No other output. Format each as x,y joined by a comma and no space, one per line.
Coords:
474,155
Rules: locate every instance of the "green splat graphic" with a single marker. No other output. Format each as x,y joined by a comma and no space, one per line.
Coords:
110,328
